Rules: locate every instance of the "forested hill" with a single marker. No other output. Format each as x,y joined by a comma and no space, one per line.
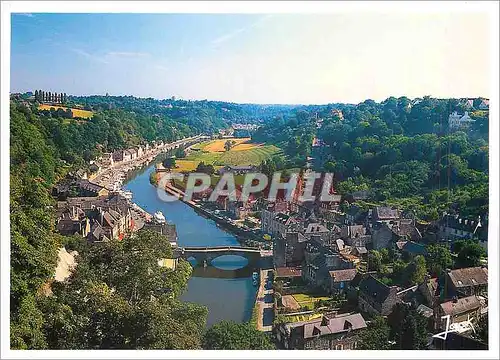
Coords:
401,151
206,116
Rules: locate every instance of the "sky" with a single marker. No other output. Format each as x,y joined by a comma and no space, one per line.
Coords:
253,58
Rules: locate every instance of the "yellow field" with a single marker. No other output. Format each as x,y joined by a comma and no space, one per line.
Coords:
245,146
76,112
218,145
185,165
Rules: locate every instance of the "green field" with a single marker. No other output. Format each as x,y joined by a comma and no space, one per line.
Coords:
253,156
308,301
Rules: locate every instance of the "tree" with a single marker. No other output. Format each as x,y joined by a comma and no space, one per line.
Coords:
438,259
374,260
469,253
169,163
228,335
130,301
408,328
385,255
180,153
417,270
228,145
375,336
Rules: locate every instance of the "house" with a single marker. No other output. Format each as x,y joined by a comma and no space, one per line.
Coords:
459,311
87,188
288,250
278,223
237,170
413,249
376,298
454,227
340,280
385,214
287,273
128,155
319,261
330,332
382,236
466,282
456,121
118,156
73,220
107,159
140,151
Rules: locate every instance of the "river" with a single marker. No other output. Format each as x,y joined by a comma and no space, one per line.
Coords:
226,299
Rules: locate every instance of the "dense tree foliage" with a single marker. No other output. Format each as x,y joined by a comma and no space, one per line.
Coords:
438,259
376,336
43,148
469,253
401,151
229,335
408,328
119,297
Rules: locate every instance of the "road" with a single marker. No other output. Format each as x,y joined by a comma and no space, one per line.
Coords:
265,302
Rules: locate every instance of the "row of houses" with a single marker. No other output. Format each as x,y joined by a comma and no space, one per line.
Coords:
326,250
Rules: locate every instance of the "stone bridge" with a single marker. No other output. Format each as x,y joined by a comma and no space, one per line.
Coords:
205,255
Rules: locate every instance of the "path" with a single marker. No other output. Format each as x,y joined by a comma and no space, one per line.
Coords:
265,302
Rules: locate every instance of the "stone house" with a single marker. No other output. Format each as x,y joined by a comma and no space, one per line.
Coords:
375,297
430,290
385,214
459,310
330,332
382,236
128,155
340,280
107,159
466,282
118,156
456,121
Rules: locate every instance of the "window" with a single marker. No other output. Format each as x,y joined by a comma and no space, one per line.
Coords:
339,347
354,345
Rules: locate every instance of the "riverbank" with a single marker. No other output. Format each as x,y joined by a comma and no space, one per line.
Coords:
243,234
113,176
228,298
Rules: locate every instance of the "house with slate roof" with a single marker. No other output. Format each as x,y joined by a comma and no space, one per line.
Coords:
330,332
466,282
375,297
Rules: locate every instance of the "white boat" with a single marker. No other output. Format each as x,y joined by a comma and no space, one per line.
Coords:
159,217
127,194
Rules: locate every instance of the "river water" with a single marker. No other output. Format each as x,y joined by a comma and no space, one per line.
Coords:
226,299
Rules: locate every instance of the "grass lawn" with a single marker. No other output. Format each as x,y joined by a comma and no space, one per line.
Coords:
308,301
76,112
306,317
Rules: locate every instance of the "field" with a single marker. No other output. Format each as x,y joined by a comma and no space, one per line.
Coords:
213,152
85,114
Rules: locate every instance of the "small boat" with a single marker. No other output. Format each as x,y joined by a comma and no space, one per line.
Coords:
127,194
159,217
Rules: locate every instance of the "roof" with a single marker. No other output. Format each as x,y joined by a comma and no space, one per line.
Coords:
385,212
340,244
425,311
473,276
414,248
460,306
331,324
288,272
375,289
458,223
315,228
361,250
343,275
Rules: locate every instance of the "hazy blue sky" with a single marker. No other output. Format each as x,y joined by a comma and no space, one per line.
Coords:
253,58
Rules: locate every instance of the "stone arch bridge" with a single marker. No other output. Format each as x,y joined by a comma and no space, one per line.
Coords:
205,255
